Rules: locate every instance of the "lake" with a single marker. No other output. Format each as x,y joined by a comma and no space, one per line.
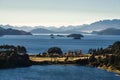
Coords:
40,43
57,72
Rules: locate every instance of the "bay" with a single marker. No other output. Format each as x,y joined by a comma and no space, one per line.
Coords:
57,72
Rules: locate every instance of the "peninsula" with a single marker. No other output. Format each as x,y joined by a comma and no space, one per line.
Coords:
107,59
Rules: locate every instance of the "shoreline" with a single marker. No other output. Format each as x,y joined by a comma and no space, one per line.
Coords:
47,61
110,69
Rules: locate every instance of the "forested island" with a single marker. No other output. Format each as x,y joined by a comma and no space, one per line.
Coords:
76,36
107,58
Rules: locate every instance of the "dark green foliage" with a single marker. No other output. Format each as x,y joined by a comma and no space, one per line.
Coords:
97,51
55,50
82,61
116,48
75,36
21,49
111,55
11,56
92,58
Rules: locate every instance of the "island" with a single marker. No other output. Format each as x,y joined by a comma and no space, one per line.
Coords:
75,36
58,35
52,36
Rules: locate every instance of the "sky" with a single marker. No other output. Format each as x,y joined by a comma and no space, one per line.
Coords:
57,12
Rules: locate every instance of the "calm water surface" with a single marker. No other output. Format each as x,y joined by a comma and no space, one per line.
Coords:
40,43
57,72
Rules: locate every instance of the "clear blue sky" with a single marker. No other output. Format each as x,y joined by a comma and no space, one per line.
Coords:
57,12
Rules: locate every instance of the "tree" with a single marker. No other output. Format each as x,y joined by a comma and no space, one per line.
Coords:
54,52
10,56
92,58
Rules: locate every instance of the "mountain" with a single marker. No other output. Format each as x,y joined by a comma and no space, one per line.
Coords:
101,25
24,28
41,30
95,26
13,32
109,31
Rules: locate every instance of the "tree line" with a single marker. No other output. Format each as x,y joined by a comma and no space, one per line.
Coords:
109,56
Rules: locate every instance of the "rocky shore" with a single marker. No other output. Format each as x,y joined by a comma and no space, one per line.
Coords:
110,69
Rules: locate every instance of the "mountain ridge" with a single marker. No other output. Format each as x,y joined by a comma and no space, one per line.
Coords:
11,31
108,31
95,26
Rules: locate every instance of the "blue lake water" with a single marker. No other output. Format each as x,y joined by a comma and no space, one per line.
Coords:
57,72
40,43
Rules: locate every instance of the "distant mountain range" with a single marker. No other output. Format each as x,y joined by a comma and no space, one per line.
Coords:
41,30
101,25
24,28
109,31
96,26
10,31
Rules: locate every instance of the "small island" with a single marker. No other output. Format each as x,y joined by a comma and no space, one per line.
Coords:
75,36
52,36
